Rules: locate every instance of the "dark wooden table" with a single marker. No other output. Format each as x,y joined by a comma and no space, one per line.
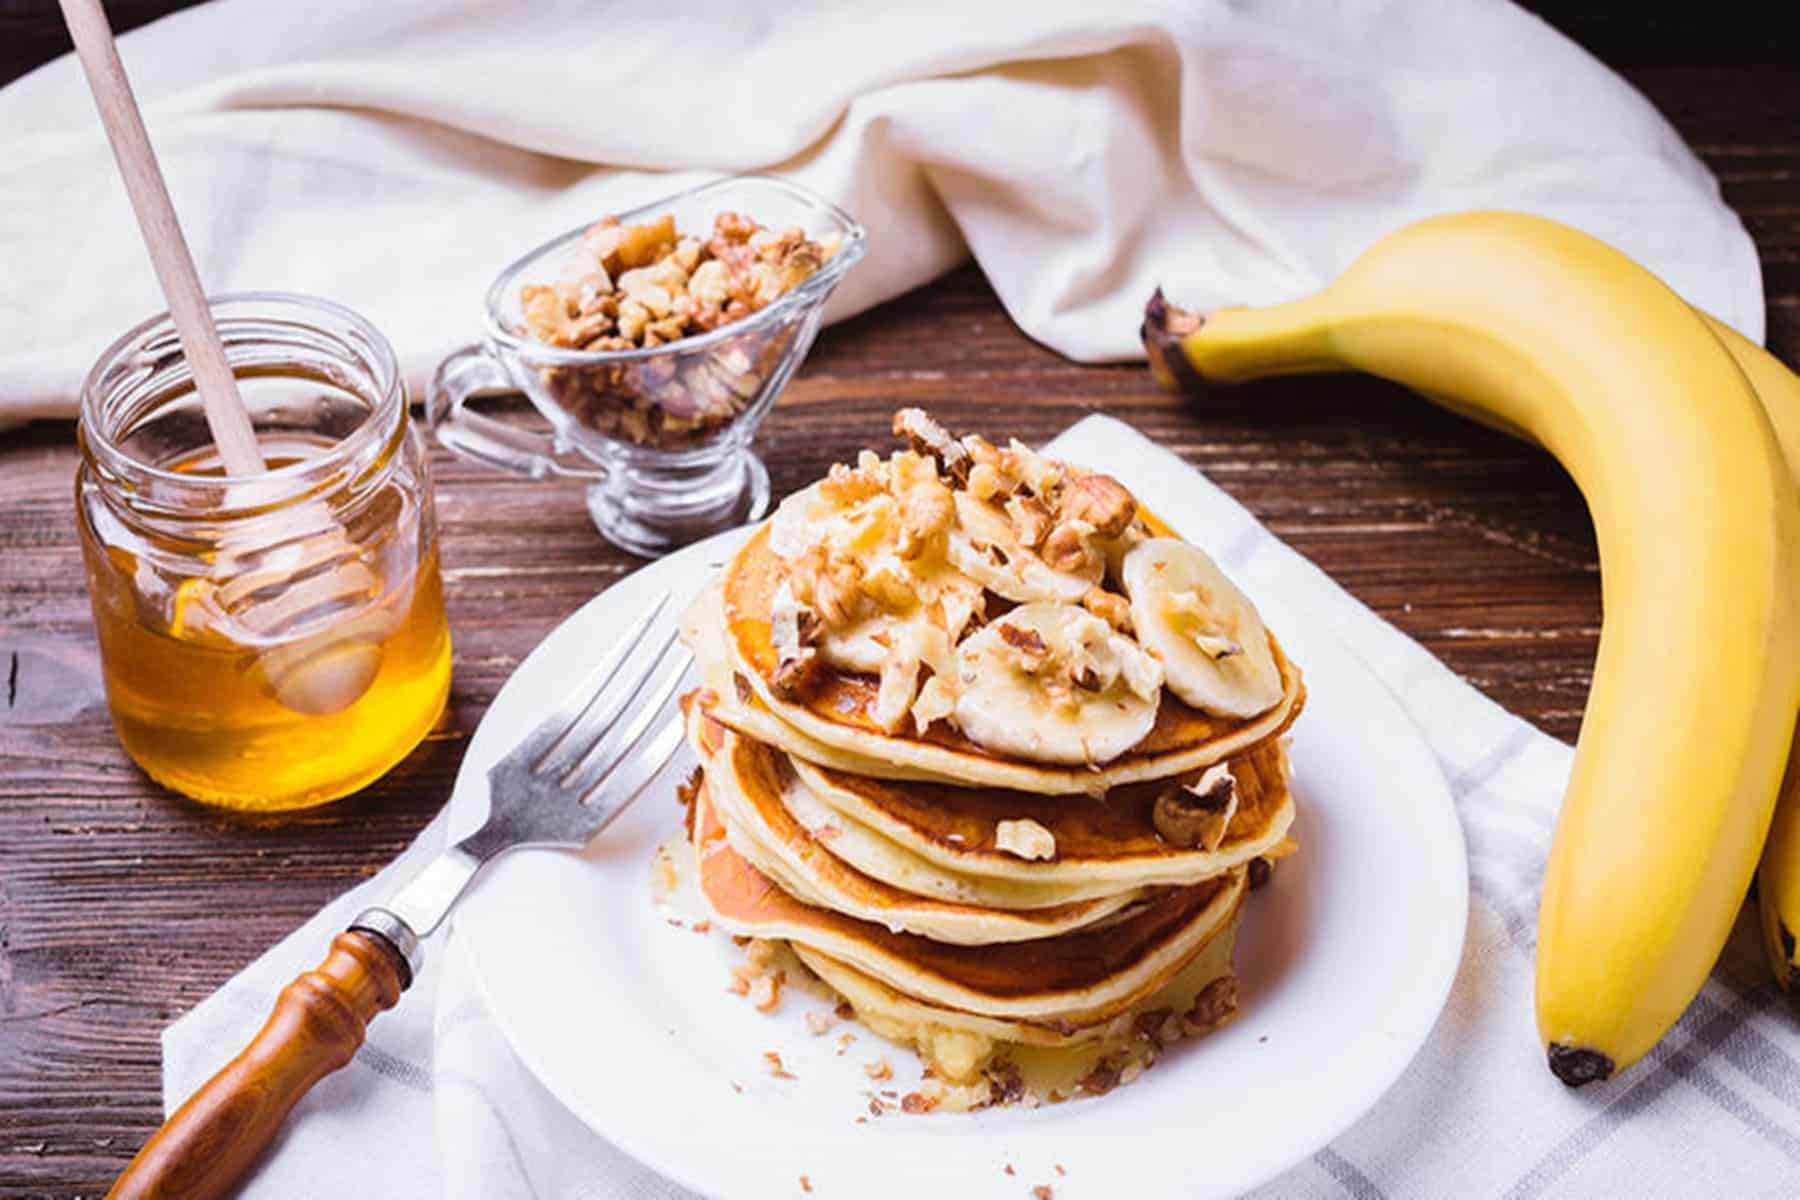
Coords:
122,905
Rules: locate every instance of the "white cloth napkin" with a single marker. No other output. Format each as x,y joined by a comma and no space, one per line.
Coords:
435,1105
395,156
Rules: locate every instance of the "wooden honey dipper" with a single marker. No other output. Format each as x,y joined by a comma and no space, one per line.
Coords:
297,561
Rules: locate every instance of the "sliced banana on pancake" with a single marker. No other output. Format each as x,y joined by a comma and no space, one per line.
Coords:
1053,683
1213,646
984,546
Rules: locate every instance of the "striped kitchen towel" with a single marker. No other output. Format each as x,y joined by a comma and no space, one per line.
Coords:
436,1105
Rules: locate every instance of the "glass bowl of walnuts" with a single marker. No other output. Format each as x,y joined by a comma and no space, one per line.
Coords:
653,342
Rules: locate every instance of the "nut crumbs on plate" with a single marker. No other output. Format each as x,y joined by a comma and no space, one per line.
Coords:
1042,1192
772,1060
878,1068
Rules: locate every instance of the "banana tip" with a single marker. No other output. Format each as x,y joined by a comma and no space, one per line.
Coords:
1163,328
1576,1066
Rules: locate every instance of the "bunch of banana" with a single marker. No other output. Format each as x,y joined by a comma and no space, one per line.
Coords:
1674,429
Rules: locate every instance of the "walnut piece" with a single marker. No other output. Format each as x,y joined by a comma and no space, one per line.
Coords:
1197,814
926,510
794,630
829,583
928,437
1025,839
1110,607
1027,642
1070,547
1100,500
1214,1005
1031,521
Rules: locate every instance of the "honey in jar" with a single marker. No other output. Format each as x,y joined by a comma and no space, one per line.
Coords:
270,641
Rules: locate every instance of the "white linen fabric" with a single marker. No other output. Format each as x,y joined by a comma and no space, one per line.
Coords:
435,1104
394,156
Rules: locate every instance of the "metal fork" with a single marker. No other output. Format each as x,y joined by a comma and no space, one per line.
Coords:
562,784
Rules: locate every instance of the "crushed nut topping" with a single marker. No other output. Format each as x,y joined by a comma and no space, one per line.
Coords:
1070,548
648,283
1110,607
1100,501
632,287
928,437
1214,1005
1026,641
794,631
878,1068
765,992
1025,839
1197,814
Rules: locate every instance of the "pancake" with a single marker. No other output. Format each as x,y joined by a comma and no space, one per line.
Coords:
1075,979
874,853
1101,845
891,1012
837,711
745,783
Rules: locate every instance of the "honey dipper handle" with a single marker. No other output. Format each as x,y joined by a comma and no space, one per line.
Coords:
226,415
318,1023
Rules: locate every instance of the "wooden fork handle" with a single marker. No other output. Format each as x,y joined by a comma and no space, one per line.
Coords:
318,1023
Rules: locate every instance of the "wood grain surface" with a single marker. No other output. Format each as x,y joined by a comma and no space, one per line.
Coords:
122,905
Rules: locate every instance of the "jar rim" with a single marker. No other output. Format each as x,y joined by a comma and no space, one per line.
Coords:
386,395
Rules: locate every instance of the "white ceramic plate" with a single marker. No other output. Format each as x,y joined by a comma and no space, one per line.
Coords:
1343,964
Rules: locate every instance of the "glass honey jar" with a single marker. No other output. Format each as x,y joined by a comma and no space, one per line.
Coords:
268,641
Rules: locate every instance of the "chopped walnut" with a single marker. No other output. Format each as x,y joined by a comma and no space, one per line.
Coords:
926,510
1110,607
1042,475
985,481
845,486
828,583
772,1061
765,992
878,1068
1099,500
1028,642
819,1023
1071,548
1030,520
1197,814
628,287
926,436
1214,1005
1025,839
922,1101
794,632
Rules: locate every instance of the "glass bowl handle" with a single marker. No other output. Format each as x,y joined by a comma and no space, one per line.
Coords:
472,371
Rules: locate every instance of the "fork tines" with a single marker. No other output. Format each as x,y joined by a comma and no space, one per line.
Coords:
608,713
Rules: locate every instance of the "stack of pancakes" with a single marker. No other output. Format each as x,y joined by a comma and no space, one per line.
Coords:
990,908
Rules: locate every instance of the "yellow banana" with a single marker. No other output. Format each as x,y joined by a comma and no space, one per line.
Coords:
1536,328
1778,879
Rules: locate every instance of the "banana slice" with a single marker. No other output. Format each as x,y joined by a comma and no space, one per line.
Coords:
1214,649
1053,683
983,546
